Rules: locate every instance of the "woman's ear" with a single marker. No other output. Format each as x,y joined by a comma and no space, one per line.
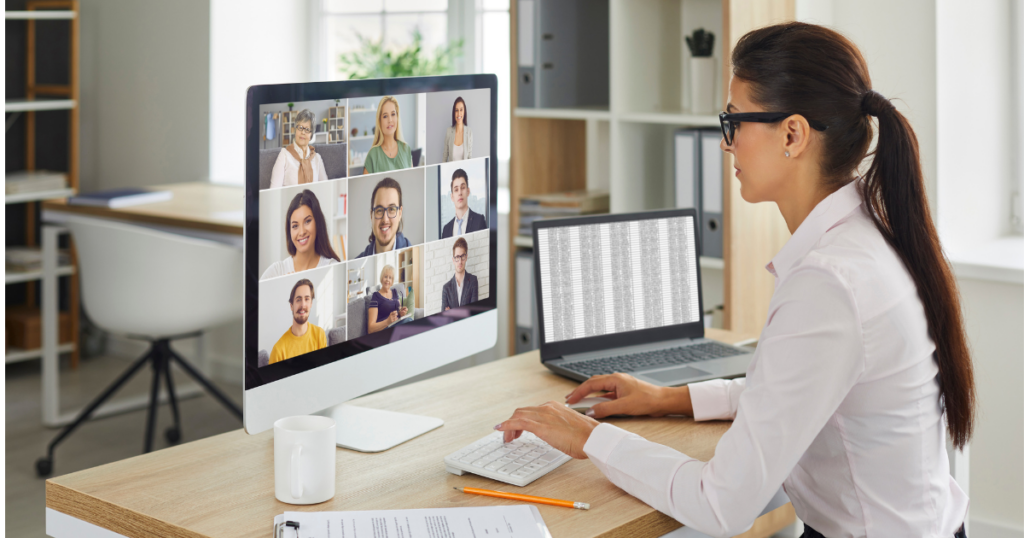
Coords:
797,133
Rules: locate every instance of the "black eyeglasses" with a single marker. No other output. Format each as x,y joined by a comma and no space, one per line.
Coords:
460,257
303,129
392,210
730,121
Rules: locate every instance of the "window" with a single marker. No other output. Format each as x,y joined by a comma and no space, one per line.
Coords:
1017,85
493,56
341,22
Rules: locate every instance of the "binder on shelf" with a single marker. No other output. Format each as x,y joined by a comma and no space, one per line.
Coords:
711,193
698,183
527,331
562,53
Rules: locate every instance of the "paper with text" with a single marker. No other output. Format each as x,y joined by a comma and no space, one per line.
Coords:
522,521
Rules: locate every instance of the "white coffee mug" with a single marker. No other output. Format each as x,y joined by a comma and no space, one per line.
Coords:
304,459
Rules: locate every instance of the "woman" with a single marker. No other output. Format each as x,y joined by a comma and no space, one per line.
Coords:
458,142
864,348
389,151
385,219
299,163
309,244
385,306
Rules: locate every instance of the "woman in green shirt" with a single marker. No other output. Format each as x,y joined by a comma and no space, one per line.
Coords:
389,151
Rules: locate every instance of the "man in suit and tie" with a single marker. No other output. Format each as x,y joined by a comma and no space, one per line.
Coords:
462,288
466,220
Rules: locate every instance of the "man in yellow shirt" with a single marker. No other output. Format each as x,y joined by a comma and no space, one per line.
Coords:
302,337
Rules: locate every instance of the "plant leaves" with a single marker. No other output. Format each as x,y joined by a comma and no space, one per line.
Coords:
373,60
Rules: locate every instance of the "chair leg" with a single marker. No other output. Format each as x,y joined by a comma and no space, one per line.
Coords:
44,465
154,400
214,391
173,434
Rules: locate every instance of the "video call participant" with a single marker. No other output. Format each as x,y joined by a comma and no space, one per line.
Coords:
385,307
309,244
458,141
302,337
385,219
462,288
466,220
298,163
389,151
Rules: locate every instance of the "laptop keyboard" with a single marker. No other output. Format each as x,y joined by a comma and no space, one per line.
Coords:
648,360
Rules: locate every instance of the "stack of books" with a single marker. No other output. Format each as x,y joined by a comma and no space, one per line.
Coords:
25,181
560,204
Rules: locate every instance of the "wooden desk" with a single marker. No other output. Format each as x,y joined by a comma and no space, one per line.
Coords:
224,485
197,206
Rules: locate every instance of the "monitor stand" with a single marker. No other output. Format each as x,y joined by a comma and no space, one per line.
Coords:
376,430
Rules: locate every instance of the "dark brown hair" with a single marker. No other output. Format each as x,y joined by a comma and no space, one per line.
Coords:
322,245
459,173
465,112
460,242
386,183
818,73
303,282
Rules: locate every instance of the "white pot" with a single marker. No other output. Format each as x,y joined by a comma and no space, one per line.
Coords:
702,85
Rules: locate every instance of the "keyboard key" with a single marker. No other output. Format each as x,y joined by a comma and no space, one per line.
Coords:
550,456
494,466
520,474
510,468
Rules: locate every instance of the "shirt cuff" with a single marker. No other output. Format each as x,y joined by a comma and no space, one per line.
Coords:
603,440
710,400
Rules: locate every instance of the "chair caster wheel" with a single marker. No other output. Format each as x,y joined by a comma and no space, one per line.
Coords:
44,466
173,435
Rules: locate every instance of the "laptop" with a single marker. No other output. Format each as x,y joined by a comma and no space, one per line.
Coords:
621,293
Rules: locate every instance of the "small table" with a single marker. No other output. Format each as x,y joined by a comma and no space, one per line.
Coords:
223,486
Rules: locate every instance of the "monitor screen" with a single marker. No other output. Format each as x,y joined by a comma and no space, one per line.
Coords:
371,218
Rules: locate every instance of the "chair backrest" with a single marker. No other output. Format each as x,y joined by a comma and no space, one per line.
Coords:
146,282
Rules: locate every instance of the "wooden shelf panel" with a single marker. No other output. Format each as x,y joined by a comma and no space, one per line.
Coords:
41,15
34,105
29,276
22,197
14,354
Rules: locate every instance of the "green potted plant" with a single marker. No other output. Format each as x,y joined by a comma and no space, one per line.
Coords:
373,60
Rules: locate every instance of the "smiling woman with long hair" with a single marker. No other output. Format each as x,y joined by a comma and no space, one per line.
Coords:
862,367
308,242
389,151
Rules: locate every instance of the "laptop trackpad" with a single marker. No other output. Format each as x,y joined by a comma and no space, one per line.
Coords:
675,374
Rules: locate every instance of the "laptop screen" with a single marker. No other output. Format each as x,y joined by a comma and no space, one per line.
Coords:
612,276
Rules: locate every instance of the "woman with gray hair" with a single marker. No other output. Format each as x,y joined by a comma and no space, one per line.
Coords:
299,163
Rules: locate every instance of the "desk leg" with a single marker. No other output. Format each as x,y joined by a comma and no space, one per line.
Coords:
50,331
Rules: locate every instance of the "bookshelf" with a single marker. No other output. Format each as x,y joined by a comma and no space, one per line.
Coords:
626,147
337,132
409,272
287,130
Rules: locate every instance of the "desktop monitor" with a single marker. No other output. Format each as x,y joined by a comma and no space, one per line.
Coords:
370,244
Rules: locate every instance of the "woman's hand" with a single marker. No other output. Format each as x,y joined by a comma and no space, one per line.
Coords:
630,396
403,311
559,426
393,316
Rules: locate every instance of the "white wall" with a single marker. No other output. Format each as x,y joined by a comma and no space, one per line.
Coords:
145,68
250,42
976,126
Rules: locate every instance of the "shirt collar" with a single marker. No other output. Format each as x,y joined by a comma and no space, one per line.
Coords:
822,218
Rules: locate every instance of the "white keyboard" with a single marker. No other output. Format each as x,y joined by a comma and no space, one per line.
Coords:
518,463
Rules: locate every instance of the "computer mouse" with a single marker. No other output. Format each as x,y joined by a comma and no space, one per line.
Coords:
585,404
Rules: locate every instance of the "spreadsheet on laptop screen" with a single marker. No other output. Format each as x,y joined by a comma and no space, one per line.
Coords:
614,277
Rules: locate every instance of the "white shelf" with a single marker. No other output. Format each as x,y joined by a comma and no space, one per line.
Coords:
30,105
36,196
711,263
29,276
354,138
40,15
14,354
522,241
673,118
565,113
363,110
340,217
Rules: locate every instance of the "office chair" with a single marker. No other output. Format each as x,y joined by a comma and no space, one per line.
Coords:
158,287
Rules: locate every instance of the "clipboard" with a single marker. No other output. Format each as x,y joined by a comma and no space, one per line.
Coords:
291,526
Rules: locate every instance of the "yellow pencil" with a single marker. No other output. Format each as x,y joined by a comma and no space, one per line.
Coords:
526,498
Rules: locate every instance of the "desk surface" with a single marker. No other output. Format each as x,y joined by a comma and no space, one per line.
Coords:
224,485
198,206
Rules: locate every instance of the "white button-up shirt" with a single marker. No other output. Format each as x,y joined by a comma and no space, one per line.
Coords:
840,404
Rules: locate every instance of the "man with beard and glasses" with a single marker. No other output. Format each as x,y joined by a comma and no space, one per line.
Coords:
302,337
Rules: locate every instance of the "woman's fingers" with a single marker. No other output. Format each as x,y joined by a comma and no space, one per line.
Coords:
597,383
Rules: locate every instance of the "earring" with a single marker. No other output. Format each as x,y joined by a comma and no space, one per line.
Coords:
787,154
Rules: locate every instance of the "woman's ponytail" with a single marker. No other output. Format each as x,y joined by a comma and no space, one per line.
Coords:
814,71
893,190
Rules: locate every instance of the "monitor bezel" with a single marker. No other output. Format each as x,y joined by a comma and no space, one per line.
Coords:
557,350
318,91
